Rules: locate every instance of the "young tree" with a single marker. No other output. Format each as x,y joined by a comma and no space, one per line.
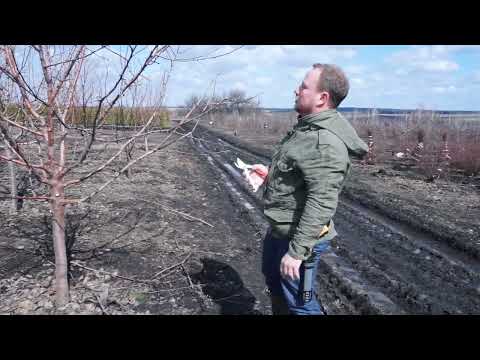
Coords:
46,84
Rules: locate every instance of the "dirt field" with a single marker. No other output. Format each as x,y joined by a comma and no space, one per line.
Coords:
412,241
136,231
171,240
445,208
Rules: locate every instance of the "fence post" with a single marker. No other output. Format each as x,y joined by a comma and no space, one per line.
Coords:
445,155
370,158
417,152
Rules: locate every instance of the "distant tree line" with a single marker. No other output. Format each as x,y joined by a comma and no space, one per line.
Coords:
235,101
85,115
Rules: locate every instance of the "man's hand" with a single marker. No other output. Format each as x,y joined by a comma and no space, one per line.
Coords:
254,174
290,267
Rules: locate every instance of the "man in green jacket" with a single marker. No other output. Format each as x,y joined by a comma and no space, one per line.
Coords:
301,190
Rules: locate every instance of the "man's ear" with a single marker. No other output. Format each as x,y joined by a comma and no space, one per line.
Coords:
323,98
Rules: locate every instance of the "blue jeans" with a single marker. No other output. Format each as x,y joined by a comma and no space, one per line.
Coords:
291,290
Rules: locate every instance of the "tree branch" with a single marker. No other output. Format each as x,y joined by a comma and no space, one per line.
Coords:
18,79
21,127
160,147
200,58
18,162
111,159
98,121
43,198
81,58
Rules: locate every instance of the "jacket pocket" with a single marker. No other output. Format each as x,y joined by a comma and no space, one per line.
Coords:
284,165
286,179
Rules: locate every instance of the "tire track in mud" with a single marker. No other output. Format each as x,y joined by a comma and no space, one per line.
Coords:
377,265
340,282
421,281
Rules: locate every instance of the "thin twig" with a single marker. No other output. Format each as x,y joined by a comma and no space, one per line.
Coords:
175,289
111,274
111,159
227,297
172,267
197,288
189,217
189,153
100,303
200,58
41,198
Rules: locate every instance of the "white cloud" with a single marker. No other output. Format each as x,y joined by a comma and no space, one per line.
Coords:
423,58
289,55
444,89
413,75
263,80
378,77
443,49
299,73
354,69
307,55
408,76
439,65
255,67
239,85
394,92
358,82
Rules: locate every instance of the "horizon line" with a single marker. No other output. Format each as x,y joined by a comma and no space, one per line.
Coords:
352,108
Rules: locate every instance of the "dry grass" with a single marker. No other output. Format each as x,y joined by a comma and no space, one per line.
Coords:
390,134
258,120
397,134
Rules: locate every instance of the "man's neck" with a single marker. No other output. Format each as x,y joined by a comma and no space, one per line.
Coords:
316,111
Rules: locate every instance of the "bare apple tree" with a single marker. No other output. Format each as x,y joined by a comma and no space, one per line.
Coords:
53,111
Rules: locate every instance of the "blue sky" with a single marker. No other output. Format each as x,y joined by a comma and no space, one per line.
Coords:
395,76
434,77
405,77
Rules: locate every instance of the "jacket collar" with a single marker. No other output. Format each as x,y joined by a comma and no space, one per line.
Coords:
307,120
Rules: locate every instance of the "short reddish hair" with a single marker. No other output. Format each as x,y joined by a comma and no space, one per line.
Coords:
334,81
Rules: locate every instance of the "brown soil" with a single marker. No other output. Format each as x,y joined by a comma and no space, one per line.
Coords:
125,231
414,239
135,253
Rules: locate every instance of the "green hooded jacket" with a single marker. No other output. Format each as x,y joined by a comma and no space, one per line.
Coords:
308,170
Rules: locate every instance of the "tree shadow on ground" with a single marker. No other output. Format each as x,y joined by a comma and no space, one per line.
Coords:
225,287
36,235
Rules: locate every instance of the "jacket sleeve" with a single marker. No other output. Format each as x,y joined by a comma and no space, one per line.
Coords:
324,168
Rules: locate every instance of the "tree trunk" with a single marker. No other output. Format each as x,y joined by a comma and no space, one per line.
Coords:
58,230
13,183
